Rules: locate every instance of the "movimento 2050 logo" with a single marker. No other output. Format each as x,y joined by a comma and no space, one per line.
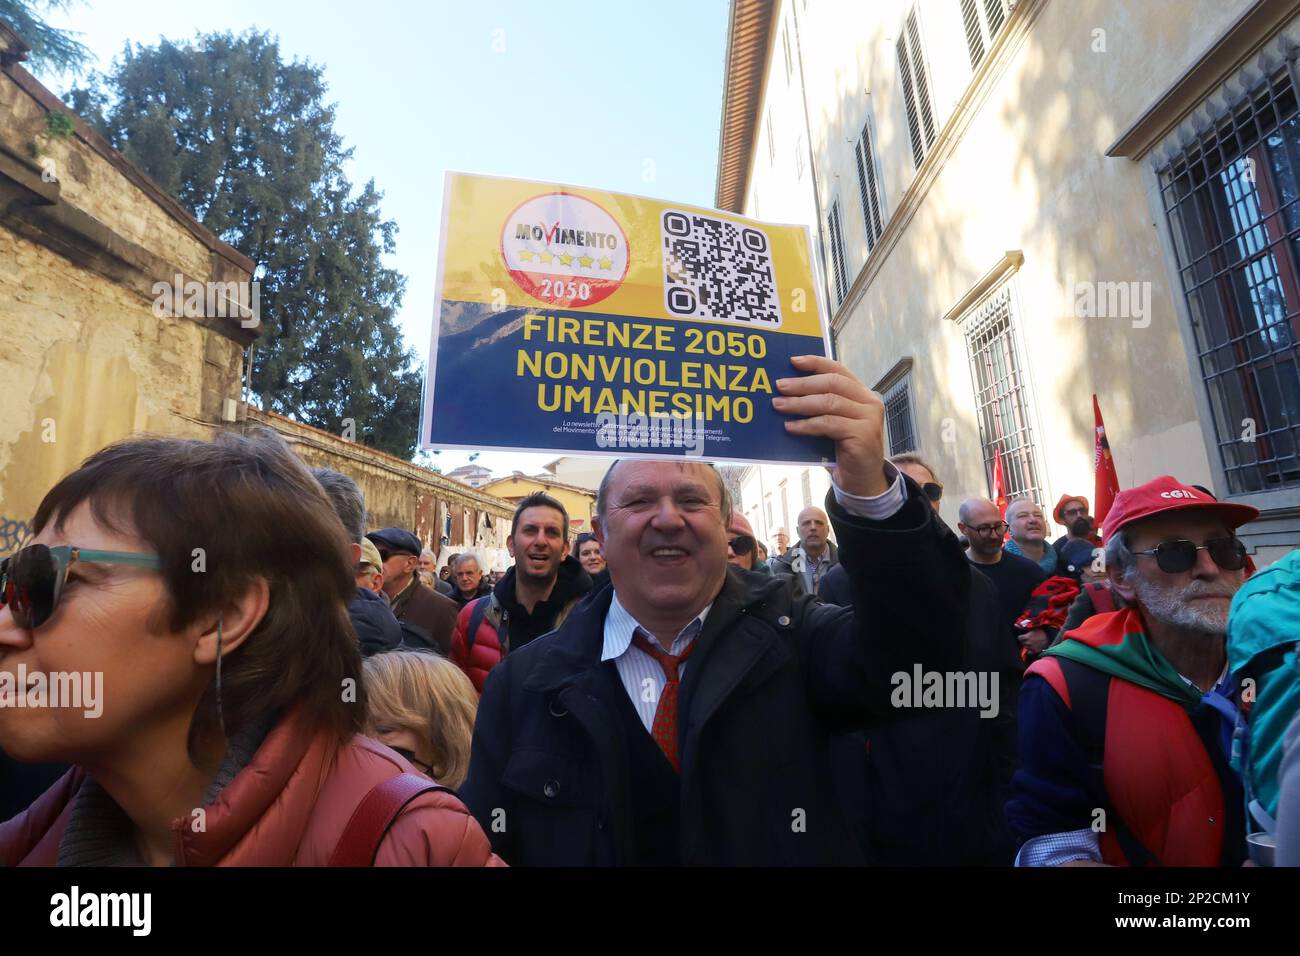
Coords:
564,250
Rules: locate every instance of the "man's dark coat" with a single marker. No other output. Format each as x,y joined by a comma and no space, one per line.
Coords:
774,677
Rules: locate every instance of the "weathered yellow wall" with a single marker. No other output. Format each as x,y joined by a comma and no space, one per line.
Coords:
580,505
399,494
83,359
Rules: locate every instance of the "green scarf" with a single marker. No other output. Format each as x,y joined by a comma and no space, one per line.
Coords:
1115,644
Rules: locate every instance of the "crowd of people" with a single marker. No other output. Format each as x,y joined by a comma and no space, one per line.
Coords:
666,690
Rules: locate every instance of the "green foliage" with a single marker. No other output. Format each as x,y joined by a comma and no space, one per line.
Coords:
246,142
56,50
59,125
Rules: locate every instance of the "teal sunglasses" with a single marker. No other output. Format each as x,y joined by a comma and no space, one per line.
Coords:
32,578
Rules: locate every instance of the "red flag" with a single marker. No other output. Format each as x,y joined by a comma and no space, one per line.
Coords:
999,489
1103,467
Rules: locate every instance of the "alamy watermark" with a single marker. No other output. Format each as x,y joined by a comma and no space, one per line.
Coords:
1109,300
946,690
635,431
78,690
208,300
133,911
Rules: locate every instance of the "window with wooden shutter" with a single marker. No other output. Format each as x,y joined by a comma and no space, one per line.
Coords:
982,20
916,88
869,187
837,253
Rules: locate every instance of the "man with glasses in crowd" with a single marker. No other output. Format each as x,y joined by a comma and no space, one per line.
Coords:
1071,513
742,546
1013,576
1126,725
427,617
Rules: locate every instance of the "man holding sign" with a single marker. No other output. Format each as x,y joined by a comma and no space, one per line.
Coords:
684,716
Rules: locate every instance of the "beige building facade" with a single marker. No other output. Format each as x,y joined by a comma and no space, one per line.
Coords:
1017,205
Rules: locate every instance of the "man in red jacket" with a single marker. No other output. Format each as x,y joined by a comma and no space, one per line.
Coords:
533,598
1126,725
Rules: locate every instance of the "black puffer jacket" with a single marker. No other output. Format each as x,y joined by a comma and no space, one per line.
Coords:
377,629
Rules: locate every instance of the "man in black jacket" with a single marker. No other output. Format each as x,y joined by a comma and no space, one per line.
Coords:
930,789
683,715
467,577
377,629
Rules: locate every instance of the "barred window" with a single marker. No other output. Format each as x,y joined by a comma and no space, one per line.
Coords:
1231,202
898,418
916,88
1001,395
869,187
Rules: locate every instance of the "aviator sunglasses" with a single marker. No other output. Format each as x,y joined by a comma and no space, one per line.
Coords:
32,578
1175,557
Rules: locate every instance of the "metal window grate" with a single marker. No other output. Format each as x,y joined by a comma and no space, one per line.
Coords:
837,253
898,418
1231,199
869,188
1001,396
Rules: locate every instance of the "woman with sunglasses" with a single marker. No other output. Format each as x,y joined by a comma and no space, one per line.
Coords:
206,586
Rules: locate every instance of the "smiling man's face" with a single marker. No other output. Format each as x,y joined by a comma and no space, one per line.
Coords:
663,536
538,543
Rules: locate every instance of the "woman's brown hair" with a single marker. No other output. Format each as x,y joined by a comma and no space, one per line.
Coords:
219,514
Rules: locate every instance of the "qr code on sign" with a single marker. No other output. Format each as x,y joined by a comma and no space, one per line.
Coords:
715,269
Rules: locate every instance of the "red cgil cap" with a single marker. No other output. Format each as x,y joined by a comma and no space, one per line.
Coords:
1167,493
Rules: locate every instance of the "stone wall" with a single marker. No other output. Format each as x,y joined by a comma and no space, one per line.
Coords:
400,494
84,360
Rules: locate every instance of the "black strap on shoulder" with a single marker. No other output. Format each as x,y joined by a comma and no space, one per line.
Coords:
1089,700
503,632
475,619
481,608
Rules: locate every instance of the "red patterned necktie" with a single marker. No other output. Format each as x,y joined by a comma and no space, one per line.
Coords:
664,729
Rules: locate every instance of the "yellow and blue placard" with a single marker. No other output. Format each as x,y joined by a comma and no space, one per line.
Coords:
578,321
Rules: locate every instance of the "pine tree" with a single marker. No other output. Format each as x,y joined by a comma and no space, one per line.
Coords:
247,143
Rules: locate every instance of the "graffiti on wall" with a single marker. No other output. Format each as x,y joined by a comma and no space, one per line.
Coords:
13,535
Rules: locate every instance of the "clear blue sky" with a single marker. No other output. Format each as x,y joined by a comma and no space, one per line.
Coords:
581,93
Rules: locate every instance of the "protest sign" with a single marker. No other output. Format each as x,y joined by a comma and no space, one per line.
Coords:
578,321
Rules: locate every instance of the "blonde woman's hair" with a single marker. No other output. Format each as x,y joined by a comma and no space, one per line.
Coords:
429,696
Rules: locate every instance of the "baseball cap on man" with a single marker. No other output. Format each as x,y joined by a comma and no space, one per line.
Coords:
1167,493
397,539
370,555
